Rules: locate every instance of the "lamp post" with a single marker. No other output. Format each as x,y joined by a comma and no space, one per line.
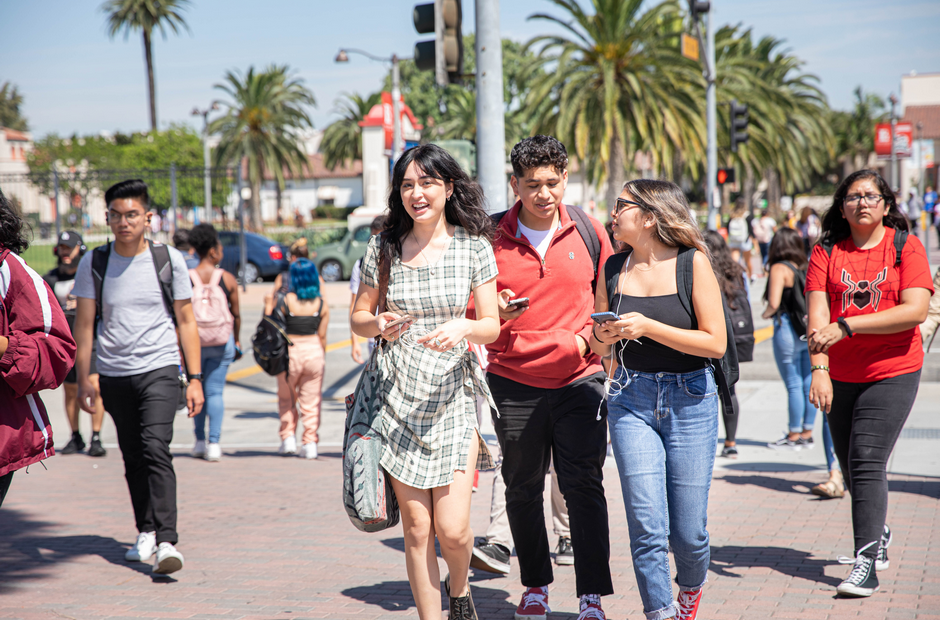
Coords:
205,155
397,143
894,154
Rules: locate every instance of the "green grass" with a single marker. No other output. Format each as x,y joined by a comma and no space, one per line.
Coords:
41,258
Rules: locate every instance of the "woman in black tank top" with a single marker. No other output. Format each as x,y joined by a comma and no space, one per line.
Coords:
662,397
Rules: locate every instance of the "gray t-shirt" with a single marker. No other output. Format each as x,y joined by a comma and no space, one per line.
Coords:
136,334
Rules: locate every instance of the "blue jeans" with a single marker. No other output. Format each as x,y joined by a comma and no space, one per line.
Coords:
215,363
792,356
663,429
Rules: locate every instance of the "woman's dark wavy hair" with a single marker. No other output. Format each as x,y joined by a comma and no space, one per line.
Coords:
787,246
12,228
202,238
727,270
834,225
463,208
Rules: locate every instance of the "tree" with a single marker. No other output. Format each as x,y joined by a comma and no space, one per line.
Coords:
855,130
342,139
10,102
260,124
145,15
616,83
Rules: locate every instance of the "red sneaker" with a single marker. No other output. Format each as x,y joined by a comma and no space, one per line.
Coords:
476,480
591,608
534,604
688,604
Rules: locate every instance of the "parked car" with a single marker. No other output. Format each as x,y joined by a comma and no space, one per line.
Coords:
335,260
265,257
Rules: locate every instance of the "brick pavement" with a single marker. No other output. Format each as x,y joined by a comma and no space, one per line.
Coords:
266,537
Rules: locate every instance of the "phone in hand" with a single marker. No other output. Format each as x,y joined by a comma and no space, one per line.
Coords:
399,321
602,317
238,353
521,302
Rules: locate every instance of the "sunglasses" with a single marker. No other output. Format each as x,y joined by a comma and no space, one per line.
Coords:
622,205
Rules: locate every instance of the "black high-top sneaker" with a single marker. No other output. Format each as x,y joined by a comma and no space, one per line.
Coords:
863,580
76,444
881,560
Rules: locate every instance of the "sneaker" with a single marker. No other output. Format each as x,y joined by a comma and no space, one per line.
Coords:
688,603
881,560
213,452
534,604
308,451
288,446
169,560
199,449
806,444
564,555
96,449
76,444
590,606
730,452
863,580
143,549
461,608
490,557
786,444
476,480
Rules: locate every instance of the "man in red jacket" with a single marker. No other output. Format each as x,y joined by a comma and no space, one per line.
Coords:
36,352
547,384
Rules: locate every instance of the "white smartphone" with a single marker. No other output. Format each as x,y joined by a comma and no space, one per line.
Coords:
521,302
400,320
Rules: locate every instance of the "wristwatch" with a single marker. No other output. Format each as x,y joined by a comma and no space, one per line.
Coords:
197,376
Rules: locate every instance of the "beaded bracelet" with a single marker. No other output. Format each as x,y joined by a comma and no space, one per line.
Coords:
818,367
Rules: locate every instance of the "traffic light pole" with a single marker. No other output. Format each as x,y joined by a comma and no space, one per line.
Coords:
397,145
491,130
711,120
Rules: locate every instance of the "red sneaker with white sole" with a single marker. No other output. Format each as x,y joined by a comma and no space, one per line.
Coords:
534,604
688,604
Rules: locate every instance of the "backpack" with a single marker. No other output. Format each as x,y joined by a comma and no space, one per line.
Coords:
588,234
161,262
795,303
210,307
737,231
270,342
900,239
742,324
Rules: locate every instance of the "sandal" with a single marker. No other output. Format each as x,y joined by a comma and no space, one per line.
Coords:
828,490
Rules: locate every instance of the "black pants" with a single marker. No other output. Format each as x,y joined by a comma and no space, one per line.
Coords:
143,407
731,421
533,425
865,421
5,480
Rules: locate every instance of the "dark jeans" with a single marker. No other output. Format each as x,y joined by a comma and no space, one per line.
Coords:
143,407
533,425
865,421
5,480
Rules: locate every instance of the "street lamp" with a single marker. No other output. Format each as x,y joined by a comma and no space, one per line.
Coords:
894,154
397,143
205,155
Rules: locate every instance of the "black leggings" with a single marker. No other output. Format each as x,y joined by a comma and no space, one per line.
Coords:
5,480
865,421
731,421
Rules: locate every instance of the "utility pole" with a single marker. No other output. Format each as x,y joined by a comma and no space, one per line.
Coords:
894,153
205,156
491,129
397,144
712,122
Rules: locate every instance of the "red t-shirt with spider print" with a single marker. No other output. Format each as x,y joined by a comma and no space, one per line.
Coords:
863,282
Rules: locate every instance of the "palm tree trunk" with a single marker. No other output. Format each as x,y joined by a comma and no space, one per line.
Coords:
277,192
148,56
749,188
615,174
254,205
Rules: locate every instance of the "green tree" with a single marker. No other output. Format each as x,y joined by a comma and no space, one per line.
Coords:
342,139
259,125
10,102
145,15
855,130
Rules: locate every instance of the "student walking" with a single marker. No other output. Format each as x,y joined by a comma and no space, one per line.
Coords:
36,352
663,400
135,290
868,287
215,306
436,252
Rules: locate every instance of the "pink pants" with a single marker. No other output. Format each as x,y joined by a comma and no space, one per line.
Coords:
299,392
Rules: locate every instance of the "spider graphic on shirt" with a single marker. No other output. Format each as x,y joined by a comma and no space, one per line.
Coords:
864,292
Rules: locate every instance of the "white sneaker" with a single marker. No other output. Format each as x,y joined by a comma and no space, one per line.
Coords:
213,452
309,451
143,549
169,560
288,446
199,449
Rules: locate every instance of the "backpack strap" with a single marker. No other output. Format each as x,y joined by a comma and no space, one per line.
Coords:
612,269
900,238
99,267
161,262
195,279
589,235
684,281
216,279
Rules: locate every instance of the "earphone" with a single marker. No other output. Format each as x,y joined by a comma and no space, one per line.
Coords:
609,381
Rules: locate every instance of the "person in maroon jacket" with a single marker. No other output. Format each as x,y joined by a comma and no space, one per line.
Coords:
36,352
547,384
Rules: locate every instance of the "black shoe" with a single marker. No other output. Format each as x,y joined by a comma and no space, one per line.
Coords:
806,444
75,444
96,449
881,560
863,580
729,452
564,554
492,558
461,608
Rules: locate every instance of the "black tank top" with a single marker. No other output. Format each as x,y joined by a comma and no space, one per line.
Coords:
303,325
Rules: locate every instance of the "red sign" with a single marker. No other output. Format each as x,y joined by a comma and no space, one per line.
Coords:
382,115
903,140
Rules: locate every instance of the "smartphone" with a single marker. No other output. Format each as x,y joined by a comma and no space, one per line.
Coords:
238,353
521,302
400,320
603,317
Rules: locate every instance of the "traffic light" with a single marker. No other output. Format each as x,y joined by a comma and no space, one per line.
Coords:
725,175
739,121
444,53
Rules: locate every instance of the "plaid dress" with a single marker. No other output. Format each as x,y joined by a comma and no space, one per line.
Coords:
429,398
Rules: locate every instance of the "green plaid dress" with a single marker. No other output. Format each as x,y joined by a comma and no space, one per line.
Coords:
429,398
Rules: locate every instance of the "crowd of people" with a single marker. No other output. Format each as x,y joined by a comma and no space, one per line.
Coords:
579,340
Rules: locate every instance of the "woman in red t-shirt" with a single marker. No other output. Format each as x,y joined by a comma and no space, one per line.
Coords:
865,350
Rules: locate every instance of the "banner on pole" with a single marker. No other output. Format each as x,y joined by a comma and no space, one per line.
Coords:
903,140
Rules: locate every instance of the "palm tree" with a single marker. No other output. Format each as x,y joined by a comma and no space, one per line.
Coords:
260,124
855,130
616,84
10,101
145,15
342,139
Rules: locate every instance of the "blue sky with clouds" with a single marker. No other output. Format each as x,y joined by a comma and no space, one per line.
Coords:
75,79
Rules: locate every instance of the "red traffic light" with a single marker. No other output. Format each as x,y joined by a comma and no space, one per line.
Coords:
725,175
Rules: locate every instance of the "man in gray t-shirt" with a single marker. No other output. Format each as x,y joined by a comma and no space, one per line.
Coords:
138,363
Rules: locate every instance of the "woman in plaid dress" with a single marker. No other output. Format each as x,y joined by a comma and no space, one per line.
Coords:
437,242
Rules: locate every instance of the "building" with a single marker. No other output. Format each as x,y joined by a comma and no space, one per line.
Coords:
920,101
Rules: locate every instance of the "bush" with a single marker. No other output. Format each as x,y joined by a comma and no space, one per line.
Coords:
331,212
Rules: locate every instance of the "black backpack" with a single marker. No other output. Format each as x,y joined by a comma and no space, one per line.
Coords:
742,324
270,342
795,303
161,262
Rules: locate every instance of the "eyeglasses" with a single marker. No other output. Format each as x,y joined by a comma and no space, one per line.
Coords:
131,218
871,200
622,205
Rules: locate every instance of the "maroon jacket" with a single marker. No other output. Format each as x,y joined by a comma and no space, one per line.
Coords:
40,353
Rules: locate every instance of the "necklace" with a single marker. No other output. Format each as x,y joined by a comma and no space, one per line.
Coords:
421,252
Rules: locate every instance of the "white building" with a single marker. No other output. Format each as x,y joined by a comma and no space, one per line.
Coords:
920,101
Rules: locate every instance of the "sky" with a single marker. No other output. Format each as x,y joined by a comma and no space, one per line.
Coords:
75,79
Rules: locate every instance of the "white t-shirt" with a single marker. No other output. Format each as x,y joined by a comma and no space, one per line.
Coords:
540,239
354,278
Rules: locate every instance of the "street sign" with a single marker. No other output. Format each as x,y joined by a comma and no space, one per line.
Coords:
903,140
689,46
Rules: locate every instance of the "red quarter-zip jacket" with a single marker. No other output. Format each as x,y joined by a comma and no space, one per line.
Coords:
540,348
